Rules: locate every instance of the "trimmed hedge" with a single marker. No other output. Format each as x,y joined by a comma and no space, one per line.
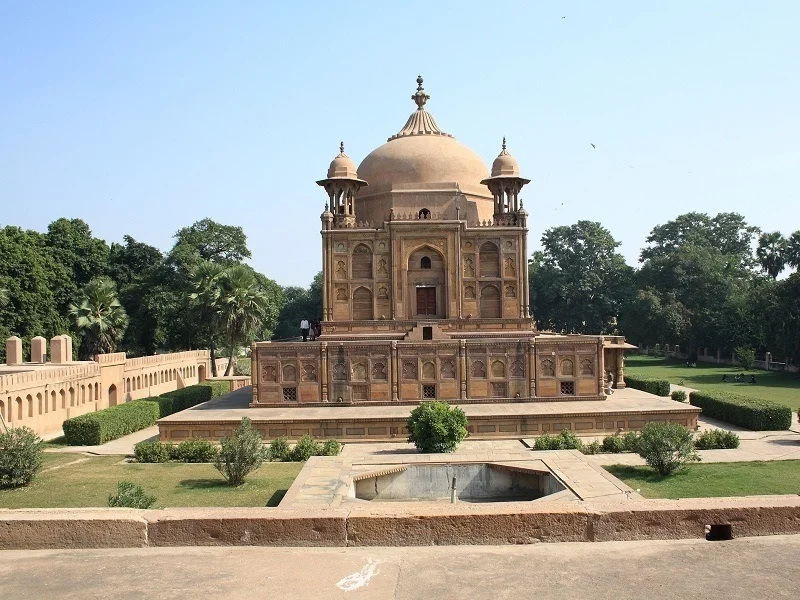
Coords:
659,387
752,413
111,423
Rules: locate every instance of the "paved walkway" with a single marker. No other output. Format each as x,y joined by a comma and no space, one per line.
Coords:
123,445
741,569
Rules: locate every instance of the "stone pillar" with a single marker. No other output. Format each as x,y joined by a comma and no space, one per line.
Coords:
601,371
395,372
532,367
13,351
38,350
620,369
323,371
768,359
60,352
463,374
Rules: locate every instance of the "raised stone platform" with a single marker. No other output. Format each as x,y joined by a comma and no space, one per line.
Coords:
627,409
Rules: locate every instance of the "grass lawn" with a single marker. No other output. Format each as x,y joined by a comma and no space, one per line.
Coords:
706,480
89,483
777,386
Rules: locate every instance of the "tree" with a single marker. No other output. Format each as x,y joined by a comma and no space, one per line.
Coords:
206,297
793,250
655,318
207,240
240,453
298,303
100,319
666,446
771,253
579,278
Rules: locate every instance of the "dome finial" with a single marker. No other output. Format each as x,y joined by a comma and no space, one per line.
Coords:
420,97
504,143
341,147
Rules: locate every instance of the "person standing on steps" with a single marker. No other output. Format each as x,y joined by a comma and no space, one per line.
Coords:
304,329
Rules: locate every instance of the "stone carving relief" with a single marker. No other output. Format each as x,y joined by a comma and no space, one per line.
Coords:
567,367
379,371
469,267
289,373
508,268
341,294
448,370
409,369
269,374
309,372
428,370
339,371
341,269
478,369
517,368
382,246
341,247
359,372
383,292
548,368
382,267
498,369
509,244
469,292
587,366
510,291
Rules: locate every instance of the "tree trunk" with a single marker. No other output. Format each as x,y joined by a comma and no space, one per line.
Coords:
230,362
213,359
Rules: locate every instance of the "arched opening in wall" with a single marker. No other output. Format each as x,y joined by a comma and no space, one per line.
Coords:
63,395
19,408
138,382
29,400
425,262
83,394
96,391
201,372
427,282
362,262
489,260
91,394
53,403
112,395
424,214
39,403
3,411
72,396
490,302
362,304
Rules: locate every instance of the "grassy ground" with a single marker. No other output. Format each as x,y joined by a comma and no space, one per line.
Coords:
770,385
90,481
706,480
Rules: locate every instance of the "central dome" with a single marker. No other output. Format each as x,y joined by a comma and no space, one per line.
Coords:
422,167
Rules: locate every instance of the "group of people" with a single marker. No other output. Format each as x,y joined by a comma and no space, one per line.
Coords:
310,329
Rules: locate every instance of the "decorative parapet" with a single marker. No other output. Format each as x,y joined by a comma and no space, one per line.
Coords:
160,359
38,377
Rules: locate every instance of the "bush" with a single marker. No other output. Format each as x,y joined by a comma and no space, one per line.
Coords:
594,447
111,423
614,444
566,440
716,439
666,447
745,356
195,451
678,396
218,388
305,448
630,441
279,449
752,413
331,448
130,495
436,427
659,387
152,452
20,457
178,400
240,453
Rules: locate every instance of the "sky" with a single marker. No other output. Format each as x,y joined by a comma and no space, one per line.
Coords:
144,117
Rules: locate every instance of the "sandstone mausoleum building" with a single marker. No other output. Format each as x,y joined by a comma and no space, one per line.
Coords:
425,288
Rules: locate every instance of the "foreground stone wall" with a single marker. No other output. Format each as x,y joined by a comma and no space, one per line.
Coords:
43,395
511,523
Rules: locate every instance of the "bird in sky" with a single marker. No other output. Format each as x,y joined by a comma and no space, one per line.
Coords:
593,146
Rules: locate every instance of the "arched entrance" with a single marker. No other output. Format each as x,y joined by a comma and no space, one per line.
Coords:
112,395
490,302
201,373
426,283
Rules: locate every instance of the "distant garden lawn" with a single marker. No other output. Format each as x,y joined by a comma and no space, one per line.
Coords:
709,480
777,386
77,480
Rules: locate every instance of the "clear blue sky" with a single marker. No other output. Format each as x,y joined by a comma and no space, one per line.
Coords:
143,117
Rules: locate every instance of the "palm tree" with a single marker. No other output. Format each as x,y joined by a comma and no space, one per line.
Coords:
793,250
99,318
205,280
243,307
771,253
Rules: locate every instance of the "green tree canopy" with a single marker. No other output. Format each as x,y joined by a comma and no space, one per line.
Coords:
99,318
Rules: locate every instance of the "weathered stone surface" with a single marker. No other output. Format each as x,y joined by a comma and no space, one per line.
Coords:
246,527
33,529
687,518
514,523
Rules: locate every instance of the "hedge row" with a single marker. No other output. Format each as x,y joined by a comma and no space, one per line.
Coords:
752,413
114,422
659,387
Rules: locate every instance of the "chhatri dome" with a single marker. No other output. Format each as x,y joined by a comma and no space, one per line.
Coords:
342,166
421,166
505,165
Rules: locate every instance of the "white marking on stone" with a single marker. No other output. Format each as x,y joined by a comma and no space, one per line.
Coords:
360,578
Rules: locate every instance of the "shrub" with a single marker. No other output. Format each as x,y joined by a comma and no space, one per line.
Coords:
678,396
331,448
20,457
111,423
436,427
659,387
305,448
745,356
152,452
240,453
614,444
130,495
594,447
279,449
716,439
666,447
752,413
178,400
566,440
218,388
195,451
630,441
